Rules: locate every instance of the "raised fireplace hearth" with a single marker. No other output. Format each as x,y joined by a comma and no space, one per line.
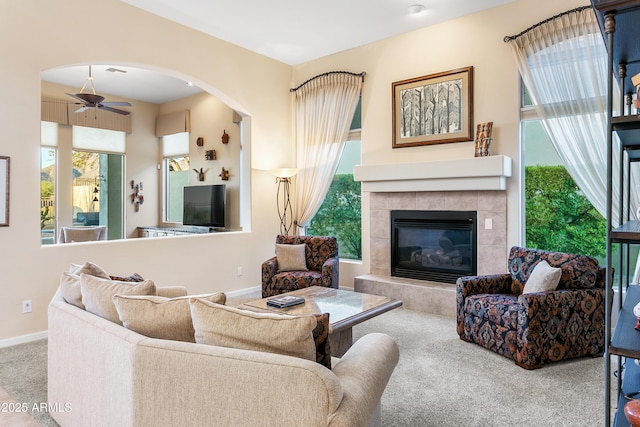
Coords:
433,245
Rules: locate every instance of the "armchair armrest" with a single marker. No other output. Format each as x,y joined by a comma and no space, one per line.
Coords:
557,315
269,269
330,272
489,284
364,372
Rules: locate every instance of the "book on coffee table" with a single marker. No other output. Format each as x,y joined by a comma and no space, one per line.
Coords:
284,301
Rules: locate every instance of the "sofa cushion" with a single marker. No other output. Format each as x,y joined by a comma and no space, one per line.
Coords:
578,271
543,278
97,294
291,257
160,317
217,324
70,281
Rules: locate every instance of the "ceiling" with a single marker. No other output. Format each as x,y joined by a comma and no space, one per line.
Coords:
290,31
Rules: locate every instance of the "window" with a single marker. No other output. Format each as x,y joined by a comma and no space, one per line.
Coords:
48,155
558,217
175,150
340,214
97,195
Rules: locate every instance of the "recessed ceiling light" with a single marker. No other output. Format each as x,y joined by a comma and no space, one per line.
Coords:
415,9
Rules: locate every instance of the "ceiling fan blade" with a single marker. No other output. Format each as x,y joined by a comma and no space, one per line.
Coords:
76,97
113,110
116,104
81,109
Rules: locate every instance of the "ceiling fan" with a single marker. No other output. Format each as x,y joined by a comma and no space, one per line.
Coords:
93,100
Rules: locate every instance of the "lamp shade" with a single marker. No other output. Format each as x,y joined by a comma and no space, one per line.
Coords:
284,172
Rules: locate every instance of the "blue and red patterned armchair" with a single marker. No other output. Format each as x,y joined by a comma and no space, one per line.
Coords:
541,327
321,254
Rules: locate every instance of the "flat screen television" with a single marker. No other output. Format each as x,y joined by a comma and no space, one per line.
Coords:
204,205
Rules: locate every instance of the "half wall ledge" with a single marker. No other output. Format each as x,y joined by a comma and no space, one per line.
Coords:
476,173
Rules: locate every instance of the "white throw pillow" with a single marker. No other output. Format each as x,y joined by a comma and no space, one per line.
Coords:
225,326
160,317
543,278
291,257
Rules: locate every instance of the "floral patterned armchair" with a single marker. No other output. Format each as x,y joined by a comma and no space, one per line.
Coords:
321,255
541,327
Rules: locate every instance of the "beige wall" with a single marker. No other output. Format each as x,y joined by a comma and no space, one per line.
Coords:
475,40
52,35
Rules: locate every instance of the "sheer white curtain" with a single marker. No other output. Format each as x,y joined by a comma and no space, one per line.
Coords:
324,109
563,63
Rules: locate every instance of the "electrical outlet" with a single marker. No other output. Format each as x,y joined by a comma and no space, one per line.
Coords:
26,306
239,271
488,223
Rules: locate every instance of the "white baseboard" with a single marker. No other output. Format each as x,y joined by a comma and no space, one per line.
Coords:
245,293
23,339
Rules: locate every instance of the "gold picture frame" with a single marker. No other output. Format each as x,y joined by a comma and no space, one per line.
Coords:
433,109
4,191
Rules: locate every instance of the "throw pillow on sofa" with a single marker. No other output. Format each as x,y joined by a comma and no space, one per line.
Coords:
160,317
97,294
320,336
225,326
70,281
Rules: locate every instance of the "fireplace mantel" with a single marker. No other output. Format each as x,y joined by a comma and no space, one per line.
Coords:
476,173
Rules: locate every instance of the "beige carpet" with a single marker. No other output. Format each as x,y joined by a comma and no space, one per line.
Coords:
439,381
12,413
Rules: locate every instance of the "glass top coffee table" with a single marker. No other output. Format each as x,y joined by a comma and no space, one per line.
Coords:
346,309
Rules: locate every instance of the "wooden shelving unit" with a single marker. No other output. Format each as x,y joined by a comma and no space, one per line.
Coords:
619,22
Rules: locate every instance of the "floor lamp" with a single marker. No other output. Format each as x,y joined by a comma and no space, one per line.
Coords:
283,179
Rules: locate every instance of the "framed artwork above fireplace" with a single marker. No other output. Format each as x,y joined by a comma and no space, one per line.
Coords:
433,109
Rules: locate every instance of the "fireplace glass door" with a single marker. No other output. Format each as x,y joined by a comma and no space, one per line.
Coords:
433,245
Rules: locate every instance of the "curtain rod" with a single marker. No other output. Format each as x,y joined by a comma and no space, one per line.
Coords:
507,39
362,74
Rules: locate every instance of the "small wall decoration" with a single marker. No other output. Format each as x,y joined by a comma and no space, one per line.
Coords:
200,174
210,155
225,137
136,197
224,175
4,191
483,139
200,141
433,109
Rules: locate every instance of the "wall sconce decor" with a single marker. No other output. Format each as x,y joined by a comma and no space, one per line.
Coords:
283,179
210,155
224,175
136,197
225,137
200,174
200,141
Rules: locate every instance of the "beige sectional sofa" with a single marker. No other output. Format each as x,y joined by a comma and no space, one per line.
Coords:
102,374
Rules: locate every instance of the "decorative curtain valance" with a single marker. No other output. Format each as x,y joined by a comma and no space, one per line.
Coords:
64,112
168,124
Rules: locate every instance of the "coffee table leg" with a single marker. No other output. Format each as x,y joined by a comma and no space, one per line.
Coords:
340,342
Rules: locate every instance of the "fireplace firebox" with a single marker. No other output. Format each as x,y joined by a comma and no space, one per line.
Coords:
433,245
